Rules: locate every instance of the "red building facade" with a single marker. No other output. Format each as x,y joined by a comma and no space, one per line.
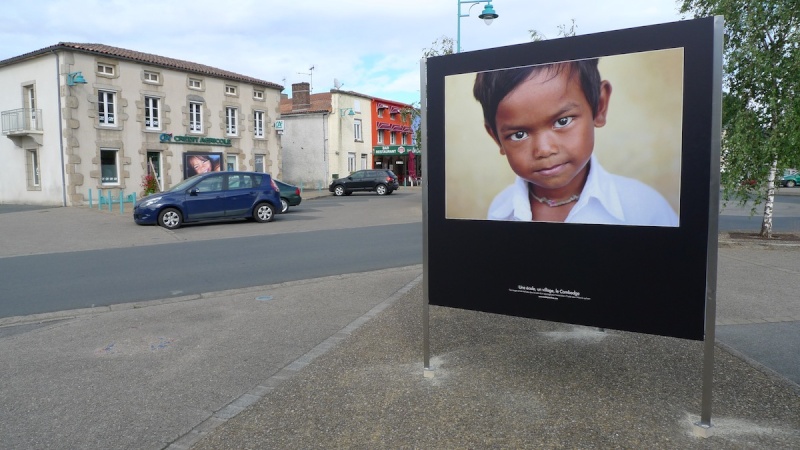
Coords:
393,144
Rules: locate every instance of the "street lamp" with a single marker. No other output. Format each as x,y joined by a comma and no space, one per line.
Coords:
348,111
488,15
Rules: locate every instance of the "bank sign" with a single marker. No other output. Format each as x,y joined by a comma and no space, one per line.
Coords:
393,150
167,138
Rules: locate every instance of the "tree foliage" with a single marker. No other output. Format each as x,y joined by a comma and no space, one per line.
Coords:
441,46
761,93
563,31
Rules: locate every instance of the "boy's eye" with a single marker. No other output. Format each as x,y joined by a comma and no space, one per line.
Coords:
518,136
562,122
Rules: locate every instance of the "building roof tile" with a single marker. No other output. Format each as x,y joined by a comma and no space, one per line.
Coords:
145,58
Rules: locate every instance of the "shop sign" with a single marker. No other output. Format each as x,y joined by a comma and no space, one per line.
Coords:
168,138
393,150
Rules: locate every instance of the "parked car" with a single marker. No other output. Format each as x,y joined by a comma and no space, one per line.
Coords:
790,179
211,196
382,181
290,195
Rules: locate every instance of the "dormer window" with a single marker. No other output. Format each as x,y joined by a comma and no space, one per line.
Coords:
151,77
105,69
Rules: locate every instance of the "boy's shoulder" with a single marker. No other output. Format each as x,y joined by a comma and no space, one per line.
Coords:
641,203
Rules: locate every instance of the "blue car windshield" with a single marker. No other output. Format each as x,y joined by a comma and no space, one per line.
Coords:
183,184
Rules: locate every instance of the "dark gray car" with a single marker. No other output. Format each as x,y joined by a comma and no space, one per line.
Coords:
381,181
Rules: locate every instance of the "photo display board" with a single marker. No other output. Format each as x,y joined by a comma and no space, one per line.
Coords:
196,163
569,180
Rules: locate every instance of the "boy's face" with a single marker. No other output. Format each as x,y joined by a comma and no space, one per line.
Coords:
545,128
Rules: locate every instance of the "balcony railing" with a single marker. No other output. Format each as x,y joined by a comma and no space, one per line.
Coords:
21,121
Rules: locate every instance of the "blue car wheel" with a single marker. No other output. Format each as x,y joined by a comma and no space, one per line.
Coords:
170,218
263,212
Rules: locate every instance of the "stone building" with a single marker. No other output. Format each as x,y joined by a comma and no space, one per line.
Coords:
78,119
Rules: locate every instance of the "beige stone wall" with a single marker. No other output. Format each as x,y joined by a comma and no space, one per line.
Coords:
85,137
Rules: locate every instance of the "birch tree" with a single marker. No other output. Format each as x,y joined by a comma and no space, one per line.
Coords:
761,96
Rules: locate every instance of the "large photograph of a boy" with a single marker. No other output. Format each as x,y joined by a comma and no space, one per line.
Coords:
587,141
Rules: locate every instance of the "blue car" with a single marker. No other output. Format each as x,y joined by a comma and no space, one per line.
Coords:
212,196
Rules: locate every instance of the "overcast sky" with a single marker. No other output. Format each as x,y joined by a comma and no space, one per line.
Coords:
370,46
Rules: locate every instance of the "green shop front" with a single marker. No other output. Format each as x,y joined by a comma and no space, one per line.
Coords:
403,160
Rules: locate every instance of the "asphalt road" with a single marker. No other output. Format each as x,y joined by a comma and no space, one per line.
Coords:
93,278
70,258
748,217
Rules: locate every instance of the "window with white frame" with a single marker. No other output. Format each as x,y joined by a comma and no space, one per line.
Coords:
230,90
105,69
403,139
231,163
195,83
106,113
380,113
152,113
259,160
231,114
30,104
380,136
258,95
392,116
363,162
392,138
109,166
357,130
151,77
195,117
351,162
32,163
258,124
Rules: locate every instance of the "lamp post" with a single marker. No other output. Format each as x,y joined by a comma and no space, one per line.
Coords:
488,15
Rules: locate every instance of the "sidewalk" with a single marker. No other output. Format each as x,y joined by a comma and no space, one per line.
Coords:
507,382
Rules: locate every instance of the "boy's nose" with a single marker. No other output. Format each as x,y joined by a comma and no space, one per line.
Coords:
544,145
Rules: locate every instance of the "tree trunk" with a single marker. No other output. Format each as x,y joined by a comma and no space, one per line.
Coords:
766,223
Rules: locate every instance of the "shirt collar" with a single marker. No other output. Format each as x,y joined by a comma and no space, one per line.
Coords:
600,188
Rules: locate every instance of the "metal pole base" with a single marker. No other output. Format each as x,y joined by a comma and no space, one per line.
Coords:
427,372
703,430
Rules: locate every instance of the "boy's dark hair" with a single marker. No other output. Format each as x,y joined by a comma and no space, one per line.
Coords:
492,87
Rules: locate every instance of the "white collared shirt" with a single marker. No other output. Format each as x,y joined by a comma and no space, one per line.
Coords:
606,199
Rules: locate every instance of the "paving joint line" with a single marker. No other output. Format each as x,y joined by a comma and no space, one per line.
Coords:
241,403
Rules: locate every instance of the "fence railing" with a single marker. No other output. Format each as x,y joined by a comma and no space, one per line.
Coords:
109,199
20,120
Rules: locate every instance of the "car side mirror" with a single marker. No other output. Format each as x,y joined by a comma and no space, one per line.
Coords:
193,192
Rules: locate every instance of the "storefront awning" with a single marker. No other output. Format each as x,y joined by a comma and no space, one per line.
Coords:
384,126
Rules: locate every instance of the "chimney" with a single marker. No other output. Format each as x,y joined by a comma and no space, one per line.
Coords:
301,96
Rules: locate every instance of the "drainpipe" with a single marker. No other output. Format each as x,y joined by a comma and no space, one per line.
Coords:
325,151
61,133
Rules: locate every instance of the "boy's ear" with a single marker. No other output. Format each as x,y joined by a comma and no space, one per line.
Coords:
602,104
488,129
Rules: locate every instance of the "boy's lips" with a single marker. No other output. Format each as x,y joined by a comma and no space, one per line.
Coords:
552,170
